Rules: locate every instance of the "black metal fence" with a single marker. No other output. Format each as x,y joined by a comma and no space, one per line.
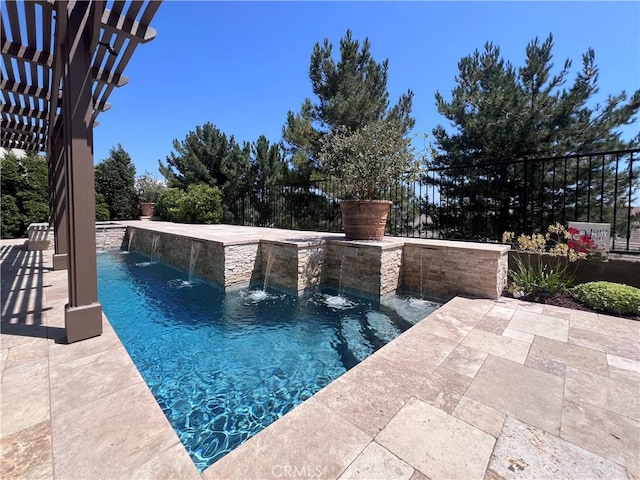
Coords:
479,202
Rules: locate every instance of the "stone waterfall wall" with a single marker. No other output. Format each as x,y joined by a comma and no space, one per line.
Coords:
430,268
176,250
447,268
369,268
110,237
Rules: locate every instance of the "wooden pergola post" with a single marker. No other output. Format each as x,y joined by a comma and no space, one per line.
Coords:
83,314
58,186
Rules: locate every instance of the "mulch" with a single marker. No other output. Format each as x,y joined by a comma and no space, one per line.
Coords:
564,299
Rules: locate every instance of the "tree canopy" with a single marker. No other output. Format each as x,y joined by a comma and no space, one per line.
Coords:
208,156
25,193
115,181
351,93
501,113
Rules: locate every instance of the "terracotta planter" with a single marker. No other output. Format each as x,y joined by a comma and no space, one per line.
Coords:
147,209
364,219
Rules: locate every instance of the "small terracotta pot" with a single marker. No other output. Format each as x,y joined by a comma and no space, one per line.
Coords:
147,209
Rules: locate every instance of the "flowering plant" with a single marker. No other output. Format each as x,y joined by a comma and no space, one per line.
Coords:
580,242
534,277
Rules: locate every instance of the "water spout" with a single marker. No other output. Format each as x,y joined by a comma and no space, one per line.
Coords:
155,242
193,257
421,277
340,286
269,266
130,240
105,235
424,279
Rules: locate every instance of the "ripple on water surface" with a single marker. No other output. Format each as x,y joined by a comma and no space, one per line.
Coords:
224,366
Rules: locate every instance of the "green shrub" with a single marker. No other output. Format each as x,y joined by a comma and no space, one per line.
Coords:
11,220
609,297
201,204
25,193
168,206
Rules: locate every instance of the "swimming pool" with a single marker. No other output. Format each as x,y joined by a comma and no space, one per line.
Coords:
223,366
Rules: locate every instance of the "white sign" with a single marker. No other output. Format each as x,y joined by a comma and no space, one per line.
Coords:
598,232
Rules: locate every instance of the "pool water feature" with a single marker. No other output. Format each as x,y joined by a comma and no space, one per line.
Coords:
223,366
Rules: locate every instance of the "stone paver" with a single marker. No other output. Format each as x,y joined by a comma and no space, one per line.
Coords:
479,415
419,352
552,356
377,463
603,432
311,440
518,335
465,360
624,369
164,465
504,347
96,440
437,444
608,325
24,397
617,397
80,381
621,347
523,451
446,325
530,395
541,325
370,395
27,453
443,389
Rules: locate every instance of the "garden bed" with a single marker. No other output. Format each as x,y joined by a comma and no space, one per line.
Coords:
564,299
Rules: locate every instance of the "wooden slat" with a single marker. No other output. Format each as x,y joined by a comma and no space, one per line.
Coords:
33,70
23,111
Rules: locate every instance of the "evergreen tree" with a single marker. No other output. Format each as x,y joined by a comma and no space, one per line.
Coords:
115,180
207,156
500,114
351,93
25,193
268,168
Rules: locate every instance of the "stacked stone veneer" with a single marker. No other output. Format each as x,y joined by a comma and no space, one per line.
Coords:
110,237
225,265
365,267
293,266
424,268
447,268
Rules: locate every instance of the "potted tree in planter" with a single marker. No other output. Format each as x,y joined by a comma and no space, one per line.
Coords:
365,163
148,189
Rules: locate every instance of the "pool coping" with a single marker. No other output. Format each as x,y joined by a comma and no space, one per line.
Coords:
80,410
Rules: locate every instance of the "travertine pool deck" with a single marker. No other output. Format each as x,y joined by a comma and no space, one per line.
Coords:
479,389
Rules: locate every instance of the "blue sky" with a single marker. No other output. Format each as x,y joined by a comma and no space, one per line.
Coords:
243,65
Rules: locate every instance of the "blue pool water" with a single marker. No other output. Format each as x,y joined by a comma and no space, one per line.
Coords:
223,366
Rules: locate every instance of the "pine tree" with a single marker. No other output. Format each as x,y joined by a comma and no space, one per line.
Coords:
207,156
268,168
351,93
501,114
115,178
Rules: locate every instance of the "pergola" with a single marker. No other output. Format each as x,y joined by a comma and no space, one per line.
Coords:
60,62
